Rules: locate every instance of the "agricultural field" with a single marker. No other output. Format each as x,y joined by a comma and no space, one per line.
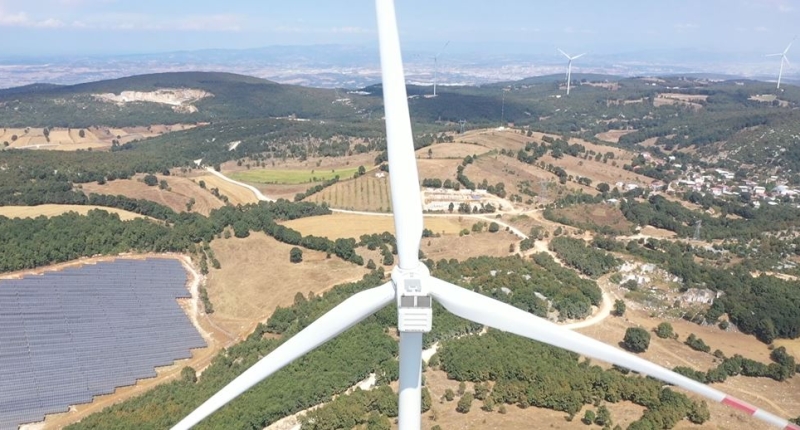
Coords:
365,193
345,225
55,210
181,190
278,176
250,285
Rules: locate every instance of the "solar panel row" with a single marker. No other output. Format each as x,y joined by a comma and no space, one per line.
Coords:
70,335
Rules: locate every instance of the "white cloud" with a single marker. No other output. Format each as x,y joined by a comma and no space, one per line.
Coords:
21,19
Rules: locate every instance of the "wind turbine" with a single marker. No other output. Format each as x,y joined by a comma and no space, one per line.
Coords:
435,66
413,290
784,58
569,65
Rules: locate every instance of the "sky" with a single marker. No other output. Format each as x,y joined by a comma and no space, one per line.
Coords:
101,27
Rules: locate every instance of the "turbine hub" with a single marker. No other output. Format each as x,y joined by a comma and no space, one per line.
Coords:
414,302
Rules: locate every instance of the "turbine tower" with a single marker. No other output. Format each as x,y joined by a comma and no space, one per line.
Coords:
569,66
784,59
435,66
413,290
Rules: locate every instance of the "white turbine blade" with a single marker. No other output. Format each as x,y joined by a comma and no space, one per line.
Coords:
787,60
410,392
564,53
775,55
787,47
493,313
403,176
578,56
328,326
442,50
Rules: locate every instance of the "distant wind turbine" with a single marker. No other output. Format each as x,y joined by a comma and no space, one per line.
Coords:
784,58
435,66
569,66
412,289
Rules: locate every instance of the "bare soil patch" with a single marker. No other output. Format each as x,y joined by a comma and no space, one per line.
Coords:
55,210
256,277
181,190
344,225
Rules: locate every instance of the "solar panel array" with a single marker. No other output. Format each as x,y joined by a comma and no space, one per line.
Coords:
70,335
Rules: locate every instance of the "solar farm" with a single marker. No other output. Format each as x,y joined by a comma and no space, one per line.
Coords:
70,335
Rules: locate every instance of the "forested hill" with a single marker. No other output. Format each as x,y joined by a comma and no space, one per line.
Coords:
230,97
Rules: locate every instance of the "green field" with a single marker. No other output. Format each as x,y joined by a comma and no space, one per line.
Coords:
271,176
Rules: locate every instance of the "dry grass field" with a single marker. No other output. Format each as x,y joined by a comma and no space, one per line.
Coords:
256,277
472,245
55,210
69,139
236,193
180,191
602,215
457,150
344,225
438,168
312,163
496,139
365,193
782,398
620,155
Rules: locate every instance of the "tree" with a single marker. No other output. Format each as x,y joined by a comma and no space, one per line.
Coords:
636,339
619,308
163,184
664,330
371,264
494,227
462,388
150,180
465,403
188,375
603,187
603,417
449,395
588,417
450,207
296,255
82,133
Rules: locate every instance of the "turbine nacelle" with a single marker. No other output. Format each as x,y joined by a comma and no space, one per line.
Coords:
414,302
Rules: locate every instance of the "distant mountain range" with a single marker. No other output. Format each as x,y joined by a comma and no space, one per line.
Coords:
350,66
